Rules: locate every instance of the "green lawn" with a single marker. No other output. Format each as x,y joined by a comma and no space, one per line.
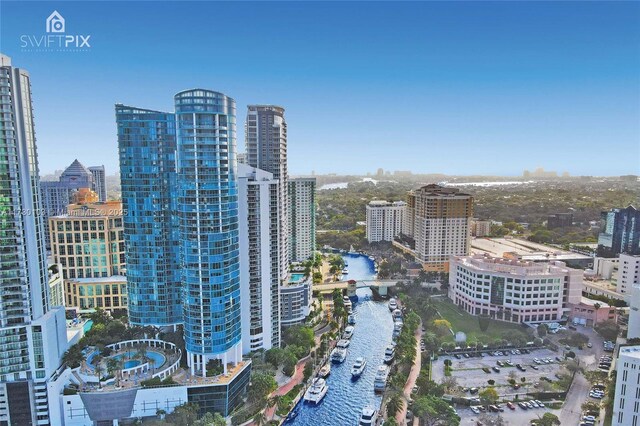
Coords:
462,321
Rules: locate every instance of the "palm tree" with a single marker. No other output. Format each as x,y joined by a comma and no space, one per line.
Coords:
260,419
142,352
98,368
394,405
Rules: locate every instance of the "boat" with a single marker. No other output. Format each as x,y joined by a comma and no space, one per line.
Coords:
345,271
348,332
380,381
348,305
397,313
358,367
294,413
351,319
338,355
343,343
372,258
393,305
368,416
316,391
325,371
389,354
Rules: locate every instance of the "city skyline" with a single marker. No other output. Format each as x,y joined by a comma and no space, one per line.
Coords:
467,82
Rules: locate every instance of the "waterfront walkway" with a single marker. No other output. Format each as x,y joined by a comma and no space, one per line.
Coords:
413,376
296,379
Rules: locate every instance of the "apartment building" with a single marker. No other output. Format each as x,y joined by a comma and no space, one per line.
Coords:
385,220
438,223
302,215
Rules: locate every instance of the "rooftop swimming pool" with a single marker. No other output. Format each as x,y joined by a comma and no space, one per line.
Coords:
132,359
295,277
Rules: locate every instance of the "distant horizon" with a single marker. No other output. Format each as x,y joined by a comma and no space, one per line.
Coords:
488,88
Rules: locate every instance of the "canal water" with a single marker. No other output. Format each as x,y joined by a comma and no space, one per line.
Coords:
374,326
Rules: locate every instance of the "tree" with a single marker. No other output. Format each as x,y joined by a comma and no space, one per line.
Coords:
542,330
262,384
549,419
588,406
488,395
394,405
442,327
608,330
391,421
260,419
308,370
434,411
183,415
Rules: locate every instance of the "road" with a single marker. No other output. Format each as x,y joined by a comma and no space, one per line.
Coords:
413,376
579,391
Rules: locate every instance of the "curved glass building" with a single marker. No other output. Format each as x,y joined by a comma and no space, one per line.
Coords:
147,149
207,196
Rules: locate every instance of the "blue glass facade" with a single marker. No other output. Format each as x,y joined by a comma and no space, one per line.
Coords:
147,149
620,232
208,222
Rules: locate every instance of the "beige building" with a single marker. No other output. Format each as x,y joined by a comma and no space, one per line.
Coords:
480,228
87,294
88,244
438,223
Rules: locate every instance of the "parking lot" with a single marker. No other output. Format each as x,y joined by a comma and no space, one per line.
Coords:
469,372
511,417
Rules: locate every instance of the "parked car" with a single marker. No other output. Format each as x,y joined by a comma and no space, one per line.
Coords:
511,406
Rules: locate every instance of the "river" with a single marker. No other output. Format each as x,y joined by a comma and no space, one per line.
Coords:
345,399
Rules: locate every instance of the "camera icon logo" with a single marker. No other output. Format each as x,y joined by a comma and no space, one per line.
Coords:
55,23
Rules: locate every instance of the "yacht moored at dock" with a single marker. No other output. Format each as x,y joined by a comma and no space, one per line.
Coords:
352,319
380,382
393,304
338,355
389,354
316,391
343,343
325,371
348,332
368,417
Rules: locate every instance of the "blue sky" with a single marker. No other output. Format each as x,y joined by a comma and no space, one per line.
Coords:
456,88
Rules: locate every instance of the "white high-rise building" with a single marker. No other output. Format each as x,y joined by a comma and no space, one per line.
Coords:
626,404
385,220
266,149
258,228
302,213
628,273
32,334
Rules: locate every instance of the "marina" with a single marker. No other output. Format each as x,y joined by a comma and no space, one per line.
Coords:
347,397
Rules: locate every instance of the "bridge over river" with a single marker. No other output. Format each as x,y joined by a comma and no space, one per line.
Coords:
380,285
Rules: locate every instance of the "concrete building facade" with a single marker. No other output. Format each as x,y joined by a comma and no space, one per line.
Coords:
440,225
514,290
32,333
626,404
302,215
259,239
266,149
385,220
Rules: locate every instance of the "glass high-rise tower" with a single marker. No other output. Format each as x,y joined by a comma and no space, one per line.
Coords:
207,196
147,148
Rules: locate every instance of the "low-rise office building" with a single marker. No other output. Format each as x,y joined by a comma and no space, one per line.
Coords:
87,294
590,312
295,303
514,290
480,228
